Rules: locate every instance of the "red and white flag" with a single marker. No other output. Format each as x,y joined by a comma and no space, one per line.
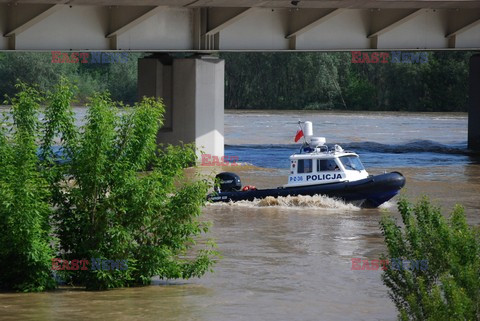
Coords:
298,135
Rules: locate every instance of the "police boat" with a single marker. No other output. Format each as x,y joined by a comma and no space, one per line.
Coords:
318,170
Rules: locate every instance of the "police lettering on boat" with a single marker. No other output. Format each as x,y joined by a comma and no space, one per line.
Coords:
318,169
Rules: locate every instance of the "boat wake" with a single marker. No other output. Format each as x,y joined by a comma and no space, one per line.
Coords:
299,202
388,205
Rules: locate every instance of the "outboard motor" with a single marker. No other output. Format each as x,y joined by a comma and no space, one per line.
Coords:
229,182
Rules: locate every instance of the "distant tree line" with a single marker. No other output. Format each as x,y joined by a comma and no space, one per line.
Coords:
119,78
322,81
312,81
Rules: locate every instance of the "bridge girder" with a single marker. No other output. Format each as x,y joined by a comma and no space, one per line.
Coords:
213,25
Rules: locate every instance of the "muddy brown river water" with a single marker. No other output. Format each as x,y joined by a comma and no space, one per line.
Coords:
290,259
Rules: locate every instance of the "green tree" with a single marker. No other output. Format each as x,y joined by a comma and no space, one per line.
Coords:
449,289
106,191
31,68
109,207
360,94
25,241
446,82
120,78
331,81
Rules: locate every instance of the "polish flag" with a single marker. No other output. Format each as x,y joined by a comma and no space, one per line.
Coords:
298,135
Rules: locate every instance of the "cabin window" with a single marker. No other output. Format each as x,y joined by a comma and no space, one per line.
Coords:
352,163
326,165
304,166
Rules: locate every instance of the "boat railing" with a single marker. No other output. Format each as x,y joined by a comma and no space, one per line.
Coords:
307,149
322,149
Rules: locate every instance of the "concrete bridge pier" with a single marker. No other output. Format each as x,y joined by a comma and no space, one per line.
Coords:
193,93
474,104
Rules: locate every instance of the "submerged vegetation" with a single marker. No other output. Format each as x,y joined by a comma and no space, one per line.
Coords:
103,192
305,80
449,288
25,237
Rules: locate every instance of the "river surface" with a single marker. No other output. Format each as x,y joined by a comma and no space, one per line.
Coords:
290,259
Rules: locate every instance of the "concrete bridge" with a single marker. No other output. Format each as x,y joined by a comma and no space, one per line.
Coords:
193,87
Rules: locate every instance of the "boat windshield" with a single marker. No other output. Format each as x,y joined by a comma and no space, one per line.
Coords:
352,163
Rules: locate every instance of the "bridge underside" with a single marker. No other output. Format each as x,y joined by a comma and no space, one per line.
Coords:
187,25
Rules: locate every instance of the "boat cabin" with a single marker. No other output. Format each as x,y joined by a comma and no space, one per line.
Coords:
321,165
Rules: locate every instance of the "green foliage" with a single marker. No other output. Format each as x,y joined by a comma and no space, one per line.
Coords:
106,204
87,85
109,194
25,243
319,106
449,289
122,79
318,81
282,80
119,78
30,68
360,93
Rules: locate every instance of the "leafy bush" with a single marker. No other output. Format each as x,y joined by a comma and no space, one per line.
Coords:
449,289
108,192
25,249
108,207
